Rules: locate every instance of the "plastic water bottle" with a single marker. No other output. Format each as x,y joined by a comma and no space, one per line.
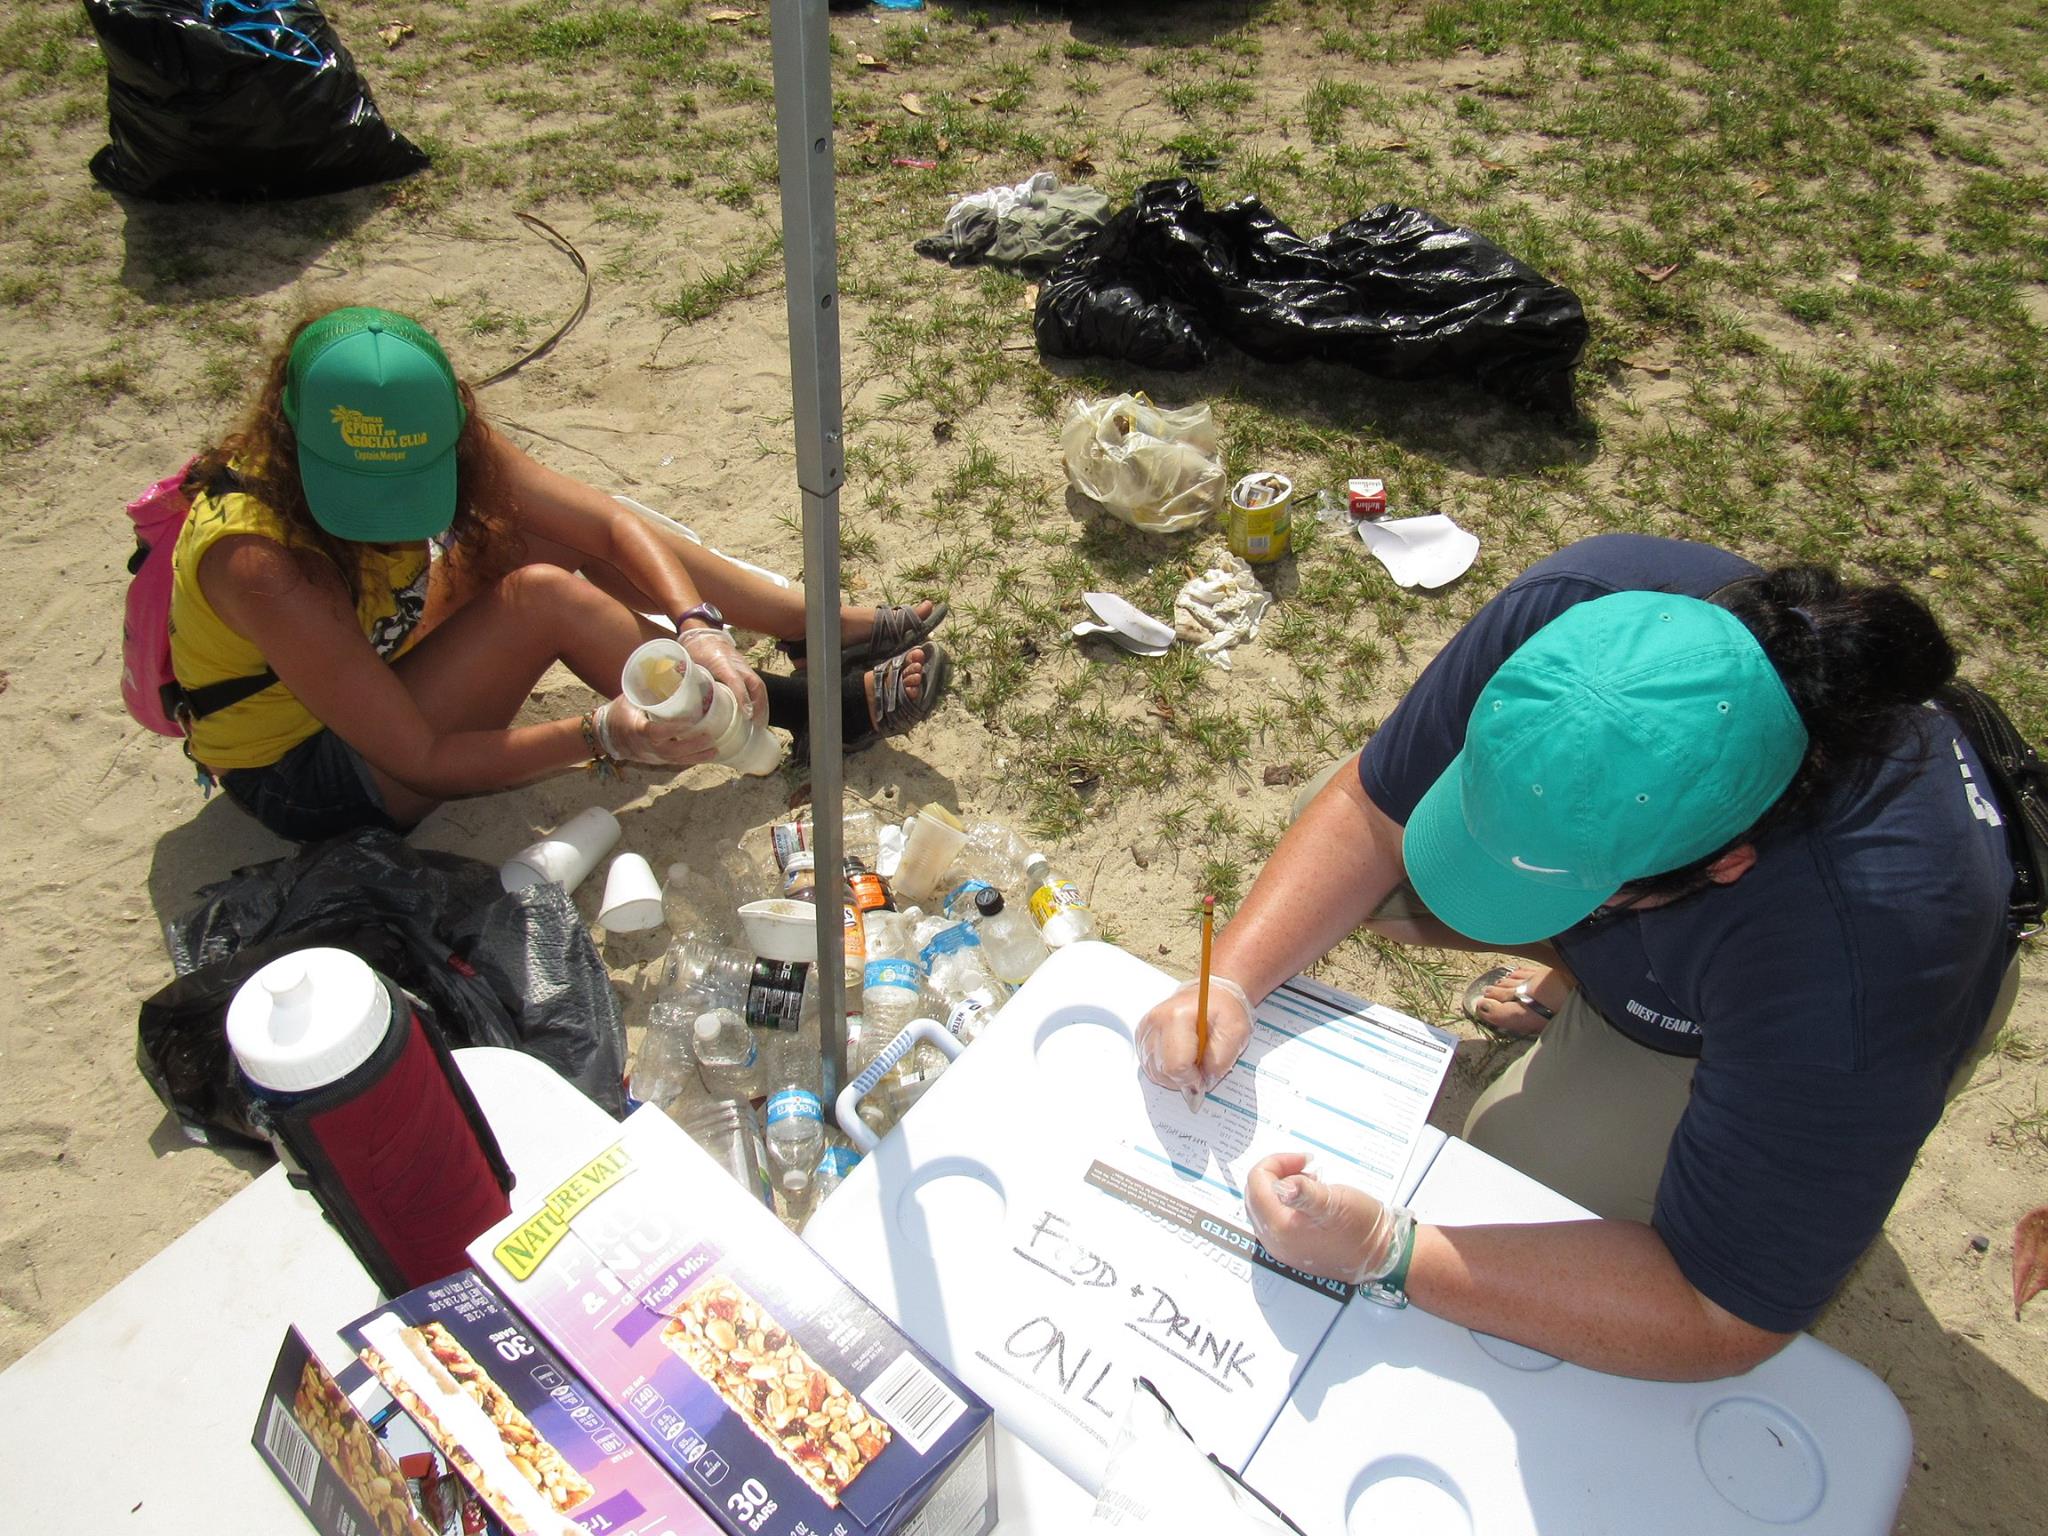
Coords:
728,1060
891,981
832,1169
794,1123
694,906
967,990
1010,941
663,1066
1062,916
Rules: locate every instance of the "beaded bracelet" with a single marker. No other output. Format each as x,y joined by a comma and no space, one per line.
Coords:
606,765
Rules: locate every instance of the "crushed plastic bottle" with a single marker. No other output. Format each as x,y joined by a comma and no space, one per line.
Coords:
728,1058
663,1067
1010,941
968,992
832,1170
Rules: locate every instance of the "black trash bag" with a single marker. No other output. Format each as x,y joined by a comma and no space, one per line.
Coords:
1396,292
239,100
487,966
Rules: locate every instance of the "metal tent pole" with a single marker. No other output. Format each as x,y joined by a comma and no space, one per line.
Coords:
800,42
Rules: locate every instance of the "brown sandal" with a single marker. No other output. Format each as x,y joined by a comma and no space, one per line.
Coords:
898,627
895,710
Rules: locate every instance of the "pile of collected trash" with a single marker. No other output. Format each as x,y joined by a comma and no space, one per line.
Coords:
942,921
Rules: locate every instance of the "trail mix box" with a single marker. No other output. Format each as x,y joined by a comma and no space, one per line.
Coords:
784,1401
348,1477
521,1428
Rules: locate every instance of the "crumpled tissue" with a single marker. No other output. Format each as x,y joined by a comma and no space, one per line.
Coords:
1220,609
1420,551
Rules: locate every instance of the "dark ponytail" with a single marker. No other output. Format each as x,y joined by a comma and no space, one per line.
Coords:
1857,661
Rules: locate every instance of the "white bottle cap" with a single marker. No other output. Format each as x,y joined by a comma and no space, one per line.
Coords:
706,1027
307,1019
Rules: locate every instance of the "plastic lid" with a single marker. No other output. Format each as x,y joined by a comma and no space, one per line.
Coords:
307,1019
988,901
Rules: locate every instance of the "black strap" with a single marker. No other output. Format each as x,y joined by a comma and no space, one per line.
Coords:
182,703
2020,782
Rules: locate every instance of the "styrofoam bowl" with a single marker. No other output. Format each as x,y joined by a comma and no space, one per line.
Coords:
781,929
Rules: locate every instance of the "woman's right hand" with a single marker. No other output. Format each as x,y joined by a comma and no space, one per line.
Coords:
632,736
1166,1036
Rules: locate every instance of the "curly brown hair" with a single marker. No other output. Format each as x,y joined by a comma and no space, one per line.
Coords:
261,458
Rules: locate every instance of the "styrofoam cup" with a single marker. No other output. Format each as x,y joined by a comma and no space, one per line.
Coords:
761,753
566,855
632,896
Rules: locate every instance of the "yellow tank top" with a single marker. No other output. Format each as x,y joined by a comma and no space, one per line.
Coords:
262,728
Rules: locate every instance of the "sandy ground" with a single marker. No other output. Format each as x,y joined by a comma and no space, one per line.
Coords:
105,835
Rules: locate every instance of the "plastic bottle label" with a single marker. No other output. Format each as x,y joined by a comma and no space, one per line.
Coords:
970,1013
838,1162
898,973
775,994
793,1104
949,941
1053,898
871,893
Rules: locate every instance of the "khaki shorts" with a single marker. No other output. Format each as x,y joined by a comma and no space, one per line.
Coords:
1590,1113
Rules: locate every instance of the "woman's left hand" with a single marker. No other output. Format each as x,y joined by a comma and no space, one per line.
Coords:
713,650
1322,1229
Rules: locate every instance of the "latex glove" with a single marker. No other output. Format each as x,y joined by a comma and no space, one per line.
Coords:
1166,1037
714,651
631,736
1325,1229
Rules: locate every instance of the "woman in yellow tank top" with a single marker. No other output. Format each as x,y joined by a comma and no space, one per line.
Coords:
382,678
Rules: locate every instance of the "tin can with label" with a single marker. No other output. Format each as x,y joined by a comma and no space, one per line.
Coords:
1260,524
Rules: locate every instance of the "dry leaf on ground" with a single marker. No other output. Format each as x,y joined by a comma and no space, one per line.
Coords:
1657,365
730,16
912,103
1655,274
2029,1258
869,61
394,33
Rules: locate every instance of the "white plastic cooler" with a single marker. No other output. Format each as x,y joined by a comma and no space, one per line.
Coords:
1404,1422
984,1225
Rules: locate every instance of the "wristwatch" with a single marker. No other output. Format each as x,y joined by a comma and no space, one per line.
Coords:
708,612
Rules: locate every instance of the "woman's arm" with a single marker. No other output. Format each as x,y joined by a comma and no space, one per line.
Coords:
294,608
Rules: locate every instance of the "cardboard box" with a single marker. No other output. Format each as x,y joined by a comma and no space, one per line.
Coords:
784,1401
322,1448
516,1422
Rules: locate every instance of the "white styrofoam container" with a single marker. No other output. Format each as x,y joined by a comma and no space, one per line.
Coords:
1404,1422
974,1228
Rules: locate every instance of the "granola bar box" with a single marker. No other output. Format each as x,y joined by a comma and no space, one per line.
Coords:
771,1389
540,1450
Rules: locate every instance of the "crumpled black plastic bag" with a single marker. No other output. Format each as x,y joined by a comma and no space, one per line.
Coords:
490,967
1396,292
239,100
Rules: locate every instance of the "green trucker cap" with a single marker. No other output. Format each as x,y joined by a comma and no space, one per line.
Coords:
1629,736
373,402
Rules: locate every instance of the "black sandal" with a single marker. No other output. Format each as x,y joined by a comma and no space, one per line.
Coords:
895,711
898,627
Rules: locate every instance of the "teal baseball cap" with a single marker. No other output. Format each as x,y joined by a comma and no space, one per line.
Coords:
373,402
1629,736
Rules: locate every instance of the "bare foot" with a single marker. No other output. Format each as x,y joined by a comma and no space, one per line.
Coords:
857,625
913,683
1505,1005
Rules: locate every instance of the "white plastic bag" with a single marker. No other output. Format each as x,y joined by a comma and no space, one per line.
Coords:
1159,470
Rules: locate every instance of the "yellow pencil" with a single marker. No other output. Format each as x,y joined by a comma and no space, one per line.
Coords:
1202,994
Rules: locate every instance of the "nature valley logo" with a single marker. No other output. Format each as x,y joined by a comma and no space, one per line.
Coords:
535,1238
371,439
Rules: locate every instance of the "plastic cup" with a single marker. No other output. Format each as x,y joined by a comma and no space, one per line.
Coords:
565,855
632,896
928,848
762,753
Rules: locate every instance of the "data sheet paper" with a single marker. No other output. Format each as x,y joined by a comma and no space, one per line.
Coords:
1348,1082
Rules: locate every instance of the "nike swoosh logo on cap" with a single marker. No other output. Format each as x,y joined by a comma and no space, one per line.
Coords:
1535,869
